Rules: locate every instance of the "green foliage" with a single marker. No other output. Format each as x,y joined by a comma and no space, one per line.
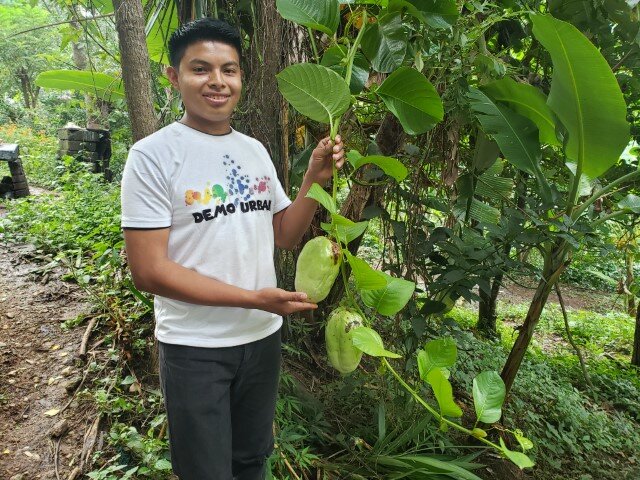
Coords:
104,87
585,96
575,432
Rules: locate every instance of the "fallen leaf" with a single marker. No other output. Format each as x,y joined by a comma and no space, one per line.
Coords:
55,347
52,413
6,451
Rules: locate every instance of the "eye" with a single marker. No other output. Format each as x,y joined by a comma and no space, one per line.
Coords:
198,69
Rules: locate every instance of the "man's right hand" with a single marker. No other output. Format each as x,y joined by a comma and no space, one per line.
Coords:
282,302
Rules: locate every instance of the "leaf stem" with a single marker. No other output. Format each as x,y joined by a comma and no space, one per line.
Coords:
432,411
313,45
354,48
625,178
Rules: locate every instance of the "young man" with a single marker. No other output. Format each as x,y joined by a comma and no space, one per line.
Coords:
201,210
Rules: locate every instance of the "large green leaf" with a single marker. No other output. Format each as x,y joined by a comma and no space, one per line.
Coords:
315,91
389,165
369,341
162,22
438,13
390,299
631,203
323,198
517,136
348,230
529,102
413,99
384,43
322,15
584,95
488,396
444,393
103,86
439,353
335,58
365,276
520,459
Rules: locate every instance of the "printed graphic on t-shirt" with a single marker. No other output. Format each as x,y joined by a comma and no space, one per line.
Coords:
241,193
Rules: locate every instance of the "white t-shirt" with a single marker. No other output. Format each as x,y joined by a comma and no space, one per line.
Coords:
218,195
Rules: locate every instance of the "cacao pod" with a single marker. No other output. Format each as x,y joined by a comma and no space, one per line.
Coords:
343,356
317,268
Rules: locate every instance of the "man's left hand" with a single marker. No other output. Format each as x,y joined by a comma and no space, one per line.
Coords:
322,159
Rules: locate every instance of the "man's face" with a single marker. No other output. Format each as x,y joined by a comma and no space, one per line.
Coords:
209,80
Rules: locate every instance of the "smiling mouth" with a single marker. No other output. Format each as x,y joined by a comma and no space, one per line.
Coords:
216,98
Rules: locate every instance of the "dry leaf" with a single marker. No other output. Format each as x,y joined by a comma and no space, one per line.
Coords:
55,347
52,413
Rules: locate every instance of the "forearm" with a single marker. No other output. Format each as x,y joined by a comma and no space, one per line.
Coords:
296,218
169,279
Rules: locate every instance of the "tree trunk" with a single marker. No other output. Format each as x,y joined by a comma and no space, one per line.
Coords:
631,298
635,356
487,315
24,84
136,70
553,268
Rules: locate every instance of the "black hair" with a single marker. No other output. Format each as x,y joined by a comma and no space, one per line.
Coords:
199,30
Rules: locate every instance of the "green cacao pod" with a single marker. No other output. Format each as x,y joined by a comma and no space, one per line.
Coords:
317,268
343,356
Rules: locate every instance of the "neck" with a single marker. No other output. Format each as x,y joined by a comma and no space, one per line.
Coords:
211,128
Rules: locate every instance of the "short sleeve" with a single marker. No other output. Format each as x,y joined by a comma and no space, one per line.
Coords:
145,194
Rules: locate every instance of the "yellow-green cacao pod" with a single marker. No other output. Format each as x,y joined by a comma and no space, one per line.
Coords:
317,268
343,356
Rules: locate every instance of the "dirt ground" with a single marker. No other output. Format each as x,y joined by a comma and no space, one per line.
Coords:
39,368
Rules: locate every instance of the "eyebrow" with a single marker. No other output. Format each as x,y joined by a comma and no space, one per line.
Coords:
198,61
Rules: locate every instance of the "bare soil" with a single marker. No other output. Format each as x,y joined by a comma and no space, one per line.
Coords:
38,359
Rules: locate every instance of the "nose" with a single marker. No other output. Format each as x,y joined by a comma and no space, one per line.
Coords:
216,79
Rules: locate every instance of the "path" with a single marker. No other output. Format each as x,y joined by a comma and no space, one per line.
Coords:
38,359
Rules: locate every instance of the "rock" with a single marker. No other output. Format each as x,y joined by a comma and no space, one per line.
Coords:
71,385
59,429
10,315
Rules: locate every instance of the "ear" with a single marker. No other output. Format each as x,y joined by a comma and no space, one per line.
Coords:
172,75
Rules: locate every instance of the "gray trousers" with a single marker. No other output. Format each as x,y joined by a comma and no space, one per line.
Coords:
220,406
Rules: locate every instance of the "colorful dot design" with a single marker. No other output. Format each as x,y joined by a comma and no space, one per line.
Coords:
239,185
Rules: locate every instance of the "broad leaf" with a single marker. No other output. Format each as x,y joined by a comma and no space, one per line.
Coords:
485,152
520,459
390,299
384,43
444,393
438,13
315,91
335,58
347,229
161,24
323,198
322,15
517,136
631,202
103,86
389,165
368,341
488,396
439,353
529,102
366,277
524,442
413,99
584,95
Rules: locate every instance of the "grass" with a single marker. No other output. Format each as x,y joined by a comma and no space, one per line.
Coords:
578,432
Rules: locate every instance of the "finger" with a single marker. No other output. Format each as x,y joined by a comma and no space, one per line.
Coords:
302,306
298,297
339,163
